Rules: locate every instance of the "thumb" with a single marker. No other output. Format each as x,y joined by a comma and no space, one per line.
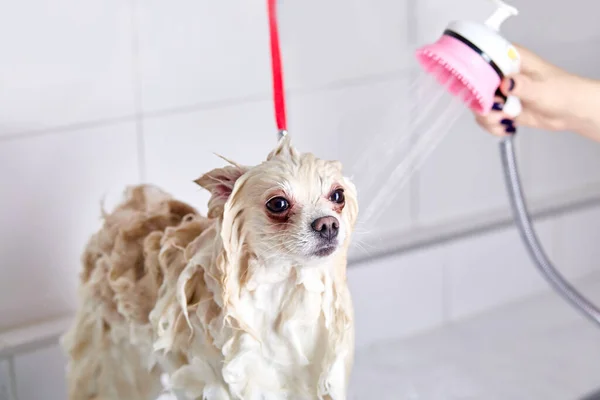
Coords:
521,86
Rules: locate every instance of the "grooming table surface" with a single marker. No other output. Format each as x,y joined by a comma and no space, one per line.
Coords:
539,348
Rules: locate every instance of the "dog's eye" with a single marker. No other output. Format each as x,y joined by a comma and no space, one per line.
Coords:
277,205
338,196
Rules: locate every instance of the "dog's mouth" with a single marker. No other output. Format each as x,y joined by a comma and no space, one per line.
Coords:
326,250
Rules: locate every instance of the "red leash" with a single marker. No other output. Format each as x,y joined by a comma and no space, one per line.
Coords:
277,67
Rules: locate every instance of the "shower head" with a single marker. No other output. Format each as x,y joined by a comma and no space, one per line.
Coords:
471,59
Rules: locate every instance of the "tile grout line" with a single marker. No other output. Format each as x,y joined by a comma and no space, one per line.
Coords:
136,77
412,28
12,379
67,128
365,80
446,299
492,225
415,181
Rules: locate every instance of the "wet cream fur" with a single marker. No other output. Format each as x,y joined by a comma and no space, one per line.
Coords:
230,306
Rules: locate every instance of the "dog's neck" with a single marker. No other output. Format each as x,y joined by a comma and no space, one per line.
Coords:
296,319
279,287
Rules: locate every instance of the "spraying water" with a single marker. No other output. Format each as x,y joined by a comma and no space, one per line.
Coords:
399,155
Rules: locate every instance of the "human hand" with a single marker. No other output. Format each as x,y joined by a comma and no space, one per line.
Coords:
552,98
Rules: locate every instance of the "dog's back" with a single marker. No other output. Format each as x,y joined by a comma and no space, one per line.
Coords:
110,342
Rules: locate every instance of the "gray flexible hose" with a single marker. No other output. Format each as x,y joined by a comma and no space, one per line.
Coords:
523,221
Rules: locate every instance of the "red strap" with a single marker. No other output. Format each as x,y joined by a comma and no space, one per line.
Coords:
278,92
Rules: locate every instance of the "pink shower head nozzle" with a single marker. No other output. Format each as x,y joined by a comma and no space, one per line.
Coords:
471,59
462,70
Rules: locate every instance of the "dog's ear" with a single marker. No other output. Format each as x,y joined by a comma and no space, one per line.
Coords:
284,149
219,182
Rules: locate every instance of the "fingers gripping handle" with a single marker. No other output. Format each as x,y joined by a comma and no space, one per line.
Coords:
512,104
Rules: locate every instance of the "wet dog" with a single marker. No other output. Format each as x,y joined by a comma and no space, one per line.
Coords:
248,302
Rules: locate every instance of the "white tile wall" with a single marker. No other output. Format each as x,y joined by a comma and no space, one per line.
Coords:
493,269
462,177
578,251
432,16
56,184
40,374
64,62
99,95
554,21
180,148
191,51
557,162
402,295
397,296
327,41
201,51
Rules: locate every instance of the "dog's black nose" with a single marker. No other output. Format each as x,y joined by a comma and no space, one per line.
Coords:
327,227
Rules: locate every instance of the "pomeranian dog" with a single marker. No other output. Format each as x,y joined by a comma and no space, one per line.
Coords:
250,302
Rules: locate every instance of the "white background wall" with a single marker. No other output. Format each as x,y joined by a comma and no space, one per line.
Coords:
100,94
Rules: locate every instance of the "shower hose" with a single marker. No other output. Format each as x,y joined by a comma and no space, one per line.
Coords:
523,221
